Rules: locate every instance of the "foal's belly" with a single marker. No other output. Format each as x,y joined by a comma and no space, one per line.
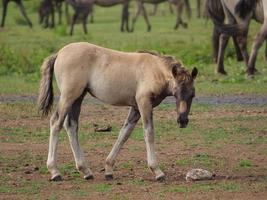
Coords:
114,92
114,98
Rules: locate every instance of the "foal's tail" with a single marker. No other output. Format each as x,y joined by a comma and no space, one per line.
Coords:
46,95
214,9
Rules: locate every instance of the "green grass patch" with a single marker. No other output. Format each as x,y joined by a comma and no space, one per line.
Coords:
127,165
244,164
198,160
101,187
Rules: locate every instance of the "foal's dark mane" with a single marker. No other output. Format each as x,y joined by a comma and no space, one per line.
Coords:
184,74
166,58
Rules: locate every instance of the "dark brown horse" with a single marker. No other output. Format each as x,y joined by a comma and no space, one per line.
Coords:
239,13
82,9
215,10
21,7
47,12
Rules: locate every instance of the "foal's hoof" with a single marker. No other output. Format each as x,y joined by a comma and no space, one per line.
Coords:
161,178
109,177
89,177
56,178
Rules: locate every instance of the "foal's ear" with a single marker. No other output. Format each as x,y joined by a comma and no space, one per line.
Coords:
194,73
175,68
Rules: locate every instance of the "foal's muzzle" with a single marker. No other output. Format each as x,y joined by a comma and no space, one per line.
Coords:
182,120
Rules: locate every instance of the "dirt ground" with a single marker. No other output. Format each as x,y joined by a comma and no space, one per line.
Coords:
229,140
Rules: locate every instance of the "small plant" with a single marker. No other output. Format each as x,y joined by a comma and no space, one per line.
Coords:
244,164
102,187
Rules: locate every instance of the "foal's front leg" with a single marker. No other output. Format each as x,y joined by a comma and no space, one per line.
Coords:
145,108
124,134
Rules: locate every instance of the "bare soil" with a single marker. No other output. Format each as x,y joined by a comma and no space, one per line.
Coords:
227,135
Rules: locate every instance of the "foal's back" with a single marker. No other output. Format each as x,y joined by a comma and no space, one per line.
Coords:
111,76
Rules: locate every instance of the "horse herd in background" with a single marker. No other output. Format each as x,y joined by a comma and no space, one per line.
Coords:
84,8
237,13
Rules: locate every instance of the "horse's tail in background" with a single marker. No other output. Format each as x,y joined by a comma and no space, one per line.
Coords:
46,95
214,9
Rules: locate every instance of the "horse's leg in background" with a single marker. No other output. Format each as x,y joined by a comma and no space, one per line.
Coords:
4,4
154,12
144,12
59,9
199,8
242,43
22,9
46,20
125,16
92,16
266,50
74,18
71,126
52,12
188,8
220,60
67,13
138,12
260,38
215,43
85,16
124,134
179,9
239,56
146,109
170,7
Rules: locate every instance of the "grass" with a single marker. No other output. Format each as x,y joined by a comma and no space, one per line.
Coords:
244,164
198,161
102,187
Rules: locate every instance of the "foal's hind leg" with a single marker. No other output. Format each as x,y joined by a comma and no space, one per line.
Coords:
71,126
56,123
125,132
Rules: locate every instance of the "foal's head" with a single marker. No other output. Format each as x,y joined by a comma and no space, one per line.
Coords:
183,90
